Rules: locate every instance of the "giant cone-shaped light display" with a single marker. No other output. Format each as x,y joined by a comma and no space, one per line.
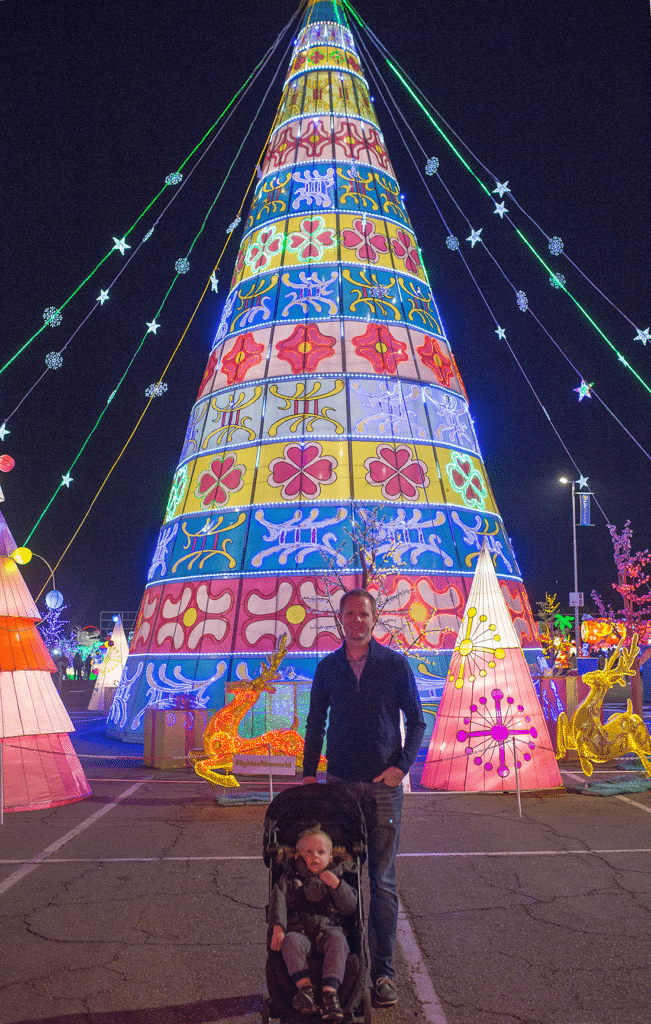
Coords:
331,398
40,768
110,671
489,704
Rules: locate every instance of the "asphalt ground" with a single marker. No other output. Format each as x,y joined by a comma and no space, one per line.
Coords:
144,904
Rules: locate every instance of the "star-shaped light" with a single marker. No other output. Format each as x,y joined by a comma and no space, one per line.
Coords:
4,431
502,188
66,480
501,333
643,336
583,390
102,298
121,244
214,283
153,327
582,481
473,237
622,360
501,209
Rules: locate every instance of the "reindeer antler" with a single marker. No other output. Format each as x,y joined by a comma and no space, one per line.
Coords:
620,663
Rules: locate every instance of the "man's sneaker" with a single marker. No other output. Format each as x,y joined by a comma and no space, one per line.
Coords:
303,1001
384,992
330,1006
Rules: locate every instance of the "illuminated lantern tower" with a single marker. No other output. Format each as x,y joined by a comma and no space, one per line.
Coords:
331,403
489,721
40,768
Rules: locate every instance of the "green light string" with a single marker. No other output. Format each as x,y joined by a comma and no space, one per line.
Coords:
162,304
401,77
242,88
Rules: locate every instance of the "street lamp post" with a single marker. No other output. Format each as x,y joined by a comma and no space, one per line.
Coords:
577,632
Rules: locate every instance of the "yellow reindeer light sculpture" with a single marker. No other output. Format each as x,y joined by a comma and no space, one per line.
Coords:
622,733
221,740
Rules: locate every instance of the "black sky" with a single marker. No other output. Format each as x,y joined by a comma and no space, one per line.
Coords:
103,100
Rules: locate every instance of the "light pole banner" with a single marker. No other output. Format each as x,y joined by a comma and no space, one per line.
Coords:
584,509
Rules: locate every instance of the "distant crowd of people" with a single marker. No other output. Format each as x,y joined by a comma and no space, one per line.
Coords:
80,668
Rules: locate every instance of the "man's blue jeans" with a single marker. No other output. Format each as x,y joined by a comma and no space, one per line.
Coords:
383,837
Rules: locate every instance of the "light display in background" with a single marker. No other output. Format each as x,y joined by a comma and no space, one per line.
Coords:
40,768
331,398
621,734
110,670
489,719
222,740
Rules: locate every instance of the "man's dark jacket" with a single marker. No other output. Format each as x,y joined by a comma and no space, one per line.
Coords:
364,726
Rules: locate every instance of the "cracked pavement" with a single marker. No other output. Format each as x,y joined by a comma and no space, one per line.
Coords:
134,921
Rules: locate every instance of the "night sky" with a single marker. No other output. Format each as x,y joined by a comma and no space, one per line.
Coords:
103,100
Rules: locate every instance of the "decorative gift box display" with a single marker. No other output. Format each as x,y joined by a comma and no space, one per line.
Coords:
171,733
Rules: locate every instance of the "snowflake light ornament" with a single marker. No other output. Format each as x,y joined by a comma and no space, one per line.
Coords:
557,280
174,179
148,235
54,361
231,227
452,242
52,316
182,266
555,245
522,301
156,390
432,165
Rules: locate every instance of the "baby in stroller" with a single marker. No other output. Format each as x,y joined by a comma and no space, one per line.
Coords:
306,911
314,846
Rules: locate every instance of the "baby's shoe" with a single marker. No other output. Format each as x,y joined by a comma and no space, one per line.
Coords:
303,1001
330,1006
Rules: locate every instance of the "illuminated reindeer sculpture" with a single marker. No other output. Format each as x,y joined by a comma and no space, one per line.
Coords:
623,733
221,741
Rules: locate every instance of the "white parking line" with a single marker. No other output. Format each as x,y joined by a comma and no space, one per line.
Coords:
44,857
425,992
34,862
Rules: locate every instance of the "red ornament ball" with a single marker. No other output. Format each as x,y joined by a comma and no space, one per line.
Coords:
6,463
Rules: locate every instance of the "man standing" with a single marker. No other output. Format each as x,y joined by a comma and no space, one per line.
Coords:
364,686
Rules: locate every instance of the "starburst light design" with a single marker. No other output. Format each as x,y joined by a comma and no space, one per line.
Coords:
498,725
477,649
156,390
522,301
54,361
182,266
174,179
555,245
557,280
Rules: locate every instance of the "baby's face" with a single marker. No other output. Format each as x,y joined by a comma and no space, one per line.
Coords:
316,851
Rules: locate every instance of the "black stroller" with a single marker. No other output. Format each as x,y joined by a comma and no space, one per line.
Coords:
337,811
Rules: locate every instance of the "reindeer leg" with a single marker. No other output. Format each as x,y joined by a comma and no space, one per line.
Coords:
561,736
208,769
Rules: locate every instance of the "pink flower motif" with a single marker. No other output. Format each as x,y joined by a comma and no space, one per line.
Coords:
302,471
397,472
267,244
217,483
365,240
405,250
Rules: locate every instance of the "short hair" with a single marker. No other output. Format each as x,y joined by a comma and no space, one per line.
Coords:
315,830
358,592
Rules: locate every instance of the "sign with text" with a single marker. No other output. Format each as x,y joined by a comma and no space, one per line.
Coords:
576,599
264,764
